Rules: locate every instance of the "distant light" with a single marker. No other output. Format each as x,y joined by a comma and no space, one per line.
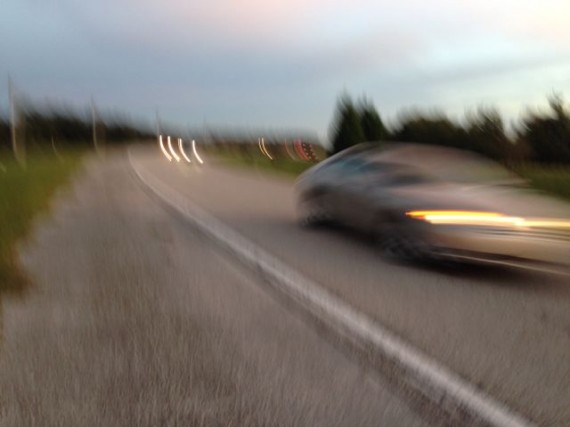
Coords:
176,156
196,153
289,151
298,144
168,156
181,148
263,148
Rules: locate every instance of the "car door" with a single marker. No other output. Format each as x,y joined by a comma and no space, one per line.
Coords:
352,194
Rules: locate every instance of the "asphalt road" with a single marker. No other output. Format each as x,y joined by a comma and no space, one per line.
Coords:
504,330
136,318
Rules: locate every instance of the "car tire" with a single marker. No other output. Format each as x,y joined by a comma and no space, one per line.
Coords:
313,212
396,243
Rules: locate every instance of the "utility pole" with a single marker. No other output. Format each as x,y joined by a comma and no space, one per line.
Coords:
157,125
94,124
18,148
13,117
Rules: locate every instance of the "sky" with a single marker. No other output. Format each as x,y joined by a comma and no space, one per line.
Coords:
282,64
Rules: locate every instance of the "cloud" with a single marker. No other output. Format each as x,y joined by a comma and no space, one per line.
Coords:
282,55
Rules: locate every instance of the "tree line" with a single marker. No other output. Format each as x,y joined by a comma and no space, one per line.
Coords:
538,137
37,127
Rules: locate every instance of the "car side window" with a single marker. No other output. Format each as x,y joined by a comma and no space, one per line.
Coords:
388,174
352,167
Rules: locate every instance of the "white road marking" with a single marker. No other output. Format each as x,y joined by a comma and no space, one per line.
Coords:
425,374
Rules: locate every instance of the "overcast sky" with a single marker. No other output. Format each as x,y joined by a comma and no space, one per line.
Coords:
283,63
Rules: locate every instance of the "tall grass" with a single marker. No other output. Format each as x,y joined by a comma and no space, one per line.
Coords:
553,180
282,166
25,193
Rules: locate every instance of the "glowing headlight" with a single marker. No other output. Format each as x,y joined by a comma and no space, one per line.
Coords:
466,218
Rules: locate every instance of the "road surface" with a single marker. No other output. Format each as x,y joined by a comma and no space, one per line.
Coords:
506,331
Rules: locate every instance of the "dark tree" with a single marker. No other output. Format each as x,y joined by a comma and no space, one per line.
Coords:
346,129
548,135
430,129
371,123
486,135
4,133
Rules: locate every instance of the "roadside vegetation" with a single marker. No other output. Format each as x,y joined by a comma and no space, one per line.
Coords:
537,146
51,140
538,149
539,137
25,193
553,180
39,127
280,165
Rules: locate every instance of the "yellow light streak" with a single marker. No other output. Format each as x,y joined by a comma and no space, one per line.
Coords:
466,217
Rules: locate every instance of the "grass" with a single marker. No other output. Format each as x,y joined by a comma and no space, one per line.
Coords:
553,180
25,193
281,166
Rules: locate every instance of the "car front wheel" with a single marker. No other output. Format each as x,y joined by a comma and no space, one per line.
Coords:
399,242
313,211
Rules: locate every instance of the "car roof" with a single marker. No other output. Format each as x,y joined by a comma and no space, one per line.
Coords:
446,162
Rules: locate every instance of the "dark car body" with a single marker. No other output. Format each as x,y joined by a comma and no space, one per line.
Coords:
425,201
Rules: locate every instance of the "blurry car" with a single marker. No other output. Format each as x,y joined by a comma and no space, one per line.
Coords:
421,201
